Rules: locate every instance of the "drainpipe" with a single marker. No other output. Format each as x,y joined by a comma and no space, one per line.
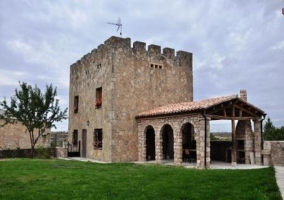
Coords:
261,133
205,139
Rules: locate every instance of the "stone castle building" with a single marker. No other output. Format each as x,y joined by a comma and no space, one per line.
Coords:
128,103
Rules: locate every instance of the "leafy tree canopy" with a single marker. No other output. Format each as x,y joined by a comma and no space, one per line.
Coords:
37,111
271,132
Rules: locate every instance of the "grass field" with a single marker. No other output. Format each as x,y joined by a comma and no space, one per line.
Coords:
61,179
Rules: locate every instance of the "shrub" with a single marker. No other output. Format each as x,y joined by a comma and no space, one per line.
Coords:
42,152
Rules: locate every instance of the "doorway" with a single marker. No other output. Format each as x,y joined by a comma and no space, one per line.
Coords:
150,143
84,143
168,142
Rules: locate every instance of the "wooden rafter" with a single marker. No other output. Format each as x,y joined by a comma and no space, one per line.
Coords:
245,110
224,112
229,117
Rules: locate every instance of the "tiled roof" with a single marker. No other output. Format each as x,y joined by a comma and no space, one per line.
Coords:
186,106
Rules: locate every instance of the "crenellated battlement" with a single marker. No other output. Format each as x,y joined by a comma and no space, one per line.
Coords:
138,47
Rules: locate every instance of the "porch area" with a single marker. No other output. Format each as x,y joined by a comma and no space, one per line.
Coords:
166,133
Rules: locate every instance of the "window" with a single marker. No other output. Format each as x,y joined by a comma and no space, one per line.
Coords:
99,95
156,66
75,138
76,104
98,139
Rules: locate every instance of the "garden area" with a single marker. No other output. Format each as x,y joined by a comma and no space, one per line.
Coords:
63,179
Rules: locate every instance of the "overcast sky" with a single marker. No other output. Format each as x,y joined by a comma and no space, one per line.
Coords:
235,44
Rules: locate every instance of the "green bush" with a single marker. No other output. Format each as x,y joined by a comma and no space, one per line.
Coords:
42,152
271,132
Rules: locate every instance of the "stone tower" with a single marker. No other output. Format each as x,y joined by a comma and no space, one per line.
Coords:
113,83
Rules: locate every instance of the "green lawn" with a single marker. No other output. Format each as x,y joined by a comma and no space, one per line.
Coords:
60,179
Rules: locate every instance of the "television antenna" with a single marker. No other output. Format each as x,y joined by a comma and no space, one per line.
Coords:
119,24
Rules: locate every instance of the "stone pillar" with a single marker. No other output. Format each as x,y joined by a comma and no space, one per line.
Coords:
208,148
158,145
200,144
200,147
61,152
257,141
248,142
266,152
141,143
177,146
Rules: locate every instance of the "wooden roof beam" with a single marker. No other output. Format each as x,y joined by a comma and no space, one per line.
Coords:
229,117
247,111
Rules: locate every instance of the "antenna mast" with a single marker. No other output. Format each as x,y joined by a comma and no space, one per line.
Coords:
119,24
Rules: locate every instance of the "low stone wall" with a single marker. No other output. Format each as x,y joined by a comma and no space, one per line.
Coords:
273,153
26,153
61,152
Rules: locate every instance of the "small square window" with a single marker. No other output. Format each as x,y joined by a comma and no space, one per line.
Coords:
98,139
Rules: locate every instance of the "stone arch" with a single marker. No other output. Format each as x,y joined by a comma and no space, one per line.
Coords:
188,140
167,141
150,142
188,135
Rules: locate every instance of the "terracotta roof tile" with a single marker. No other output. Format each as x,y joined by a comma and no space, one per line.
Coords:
186,106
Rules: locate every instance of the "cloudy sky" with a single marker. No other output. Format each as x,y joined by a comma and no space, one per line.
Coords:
236,44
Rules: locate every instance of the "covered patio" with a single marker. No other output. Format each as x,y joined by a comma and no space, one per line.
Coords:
165,132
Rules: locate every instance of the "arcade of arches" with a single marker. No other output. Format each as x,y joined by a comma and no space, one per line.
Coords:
164,138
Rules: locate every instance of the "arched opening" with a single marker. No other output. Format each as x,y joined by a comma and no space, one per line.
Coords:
188,142
150,143
168,142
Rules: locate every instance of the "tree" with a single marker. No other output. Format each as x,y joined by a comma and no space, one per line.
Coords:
35,110
268,126
268,129
271,132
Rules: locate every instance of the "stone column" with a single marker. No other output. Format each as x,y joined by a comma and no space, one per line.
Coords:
158,145
177,146
257,141
200,143
208,150
266,152
141,143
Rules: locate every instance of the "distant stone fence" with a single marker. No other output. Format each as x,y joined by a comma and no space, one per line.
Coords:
26,153
273,153
61,152
39,153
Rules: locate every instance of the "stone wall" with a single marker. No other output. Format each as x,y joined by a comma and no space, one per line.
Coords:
132,79
61,152
13,136
273,153
244,141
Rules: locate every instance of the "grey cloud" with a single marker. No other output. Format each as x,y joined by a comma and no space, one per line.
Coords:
236,44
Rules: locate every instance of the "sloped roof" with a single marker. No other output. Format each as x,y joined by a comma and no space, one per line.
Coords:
193,106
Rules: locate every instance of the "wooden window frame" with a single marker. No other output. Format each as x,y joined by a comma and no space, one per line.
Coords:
98,139
99,97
